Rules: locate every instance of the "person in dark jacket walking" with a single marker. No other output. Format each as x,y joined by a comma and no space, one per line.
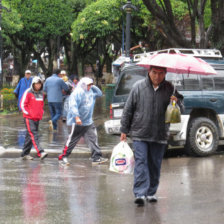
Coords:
32,104
144,119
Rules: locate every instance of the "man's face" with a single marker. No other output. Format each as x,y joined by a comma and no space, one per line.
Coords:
157,75
89,86
27,75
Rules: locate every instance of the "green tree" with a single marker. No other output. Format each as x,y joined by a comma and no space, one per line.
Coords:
44,23
100,24
166,14
94,29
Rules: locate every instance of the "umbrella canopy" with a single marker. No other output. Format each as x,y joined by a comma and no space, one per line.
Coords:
178,63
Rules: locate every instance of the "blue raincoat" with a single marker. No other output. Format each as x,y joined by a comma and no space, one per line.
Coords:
21,87
82,101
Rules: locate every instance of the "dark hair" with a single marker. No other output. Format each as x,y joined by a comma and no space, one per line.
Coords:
73,76
57,71
158,67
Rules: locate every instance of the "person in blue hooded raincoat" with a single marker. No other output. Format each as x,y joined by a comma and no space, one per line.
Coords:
81,107
22,86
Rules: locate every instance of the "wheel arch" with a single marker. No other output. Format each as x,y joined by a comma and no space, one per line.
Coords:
207,113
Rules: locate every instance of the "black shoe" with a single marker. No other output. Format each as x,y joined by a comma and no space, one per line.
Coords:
43,155
152,198
140,201
99,161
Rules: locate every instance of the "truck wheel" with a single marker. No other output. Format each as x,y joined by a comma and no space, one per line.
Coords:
202,137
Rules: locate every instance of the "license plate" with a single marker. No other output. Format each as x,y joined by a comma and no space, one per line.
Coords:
118,112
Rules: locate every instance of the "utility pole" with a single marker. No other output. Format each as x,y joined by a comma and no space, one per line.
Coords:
128,8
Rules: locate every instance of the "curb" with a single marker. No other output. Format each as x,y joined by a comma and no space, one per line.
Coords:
52,153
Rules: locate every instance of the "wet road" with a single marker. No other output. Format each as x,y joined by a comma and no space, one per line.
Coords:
12,131
191,191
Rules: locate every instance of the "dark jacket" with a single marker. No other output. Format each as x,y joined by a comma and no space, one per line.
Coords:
144,112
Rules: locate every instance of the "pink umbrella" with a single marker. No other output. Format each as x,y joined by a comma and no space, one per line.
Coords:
178,63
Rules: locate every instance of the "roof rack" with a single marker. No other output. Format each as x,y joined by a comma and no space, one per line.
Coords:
200,53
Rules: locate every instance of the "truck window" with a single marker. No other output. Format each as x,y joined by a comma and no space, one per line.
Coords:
219,80
191,82
128,79
207,82
175,79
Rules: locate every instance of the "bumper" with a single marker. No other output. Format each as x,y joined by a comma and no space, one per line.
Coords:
178,132
112,126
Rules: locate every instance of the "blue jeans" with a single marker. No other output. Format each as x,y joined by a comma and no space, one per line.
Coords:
55,111
148,160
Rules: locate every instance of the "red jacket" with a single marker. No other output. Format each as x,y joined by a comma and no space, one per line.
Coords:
32,104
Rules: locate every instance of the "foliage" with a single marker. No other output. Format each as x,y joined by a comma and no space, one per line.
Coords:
44,19
6,91
98,20
9,100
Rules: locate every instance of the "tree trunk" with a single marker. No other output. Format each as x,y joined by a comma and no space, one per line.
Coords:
203,43
217,34
166,23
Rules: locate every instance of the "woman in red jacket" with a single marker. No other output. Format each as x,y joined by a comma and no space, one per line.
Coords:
32,104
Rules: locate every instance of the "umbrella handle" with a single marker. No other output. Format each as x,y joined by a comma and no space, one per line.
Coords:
174,89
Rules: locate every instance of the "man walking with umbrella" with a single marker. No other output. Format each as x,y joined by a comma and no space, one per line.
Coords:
144,119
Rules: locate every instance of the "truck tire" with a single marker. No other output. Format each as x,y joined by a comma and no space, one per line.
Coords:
203,137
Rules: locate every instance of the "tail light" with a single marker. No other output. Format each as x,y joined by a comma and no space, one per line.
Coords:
111,112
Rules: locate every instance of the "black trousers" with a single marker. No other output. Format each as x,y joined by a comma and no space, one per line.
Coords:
31,138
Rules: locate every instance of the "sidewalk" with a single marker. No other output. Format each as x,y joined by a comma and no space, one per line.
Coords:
52,153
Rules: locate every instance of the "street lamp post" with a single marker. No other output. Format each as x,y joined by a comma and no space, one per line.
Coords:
128,8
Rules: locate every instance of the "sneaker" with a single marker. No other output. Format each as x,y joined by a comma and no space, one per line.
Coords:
152,198
140,200
64,161
27,157
43,155
50,125
99,161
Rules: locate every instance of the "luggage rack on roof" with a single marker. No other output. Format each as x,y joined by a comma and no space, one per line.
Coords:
200,53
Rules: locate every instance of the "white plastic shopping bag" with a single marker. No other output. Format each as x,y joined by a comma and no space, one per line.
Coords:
122,159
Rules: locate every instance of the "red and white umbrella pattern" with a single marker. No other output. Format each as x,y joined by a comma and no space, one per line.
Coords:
178,63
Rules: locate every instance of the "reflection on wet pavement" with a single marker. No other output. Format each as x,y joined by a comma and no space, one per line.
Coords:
191,191
12,131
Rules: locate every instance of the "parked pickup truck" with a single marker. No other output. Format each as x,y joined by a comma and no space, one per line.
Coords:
202,123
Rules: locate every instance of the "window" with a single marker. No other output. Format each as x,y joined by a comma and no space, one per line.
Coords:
207,82
175,79
219,80
128,79
191,82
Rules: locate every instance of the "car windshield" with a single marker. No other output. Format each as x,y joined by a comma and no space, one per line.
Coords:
128,79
